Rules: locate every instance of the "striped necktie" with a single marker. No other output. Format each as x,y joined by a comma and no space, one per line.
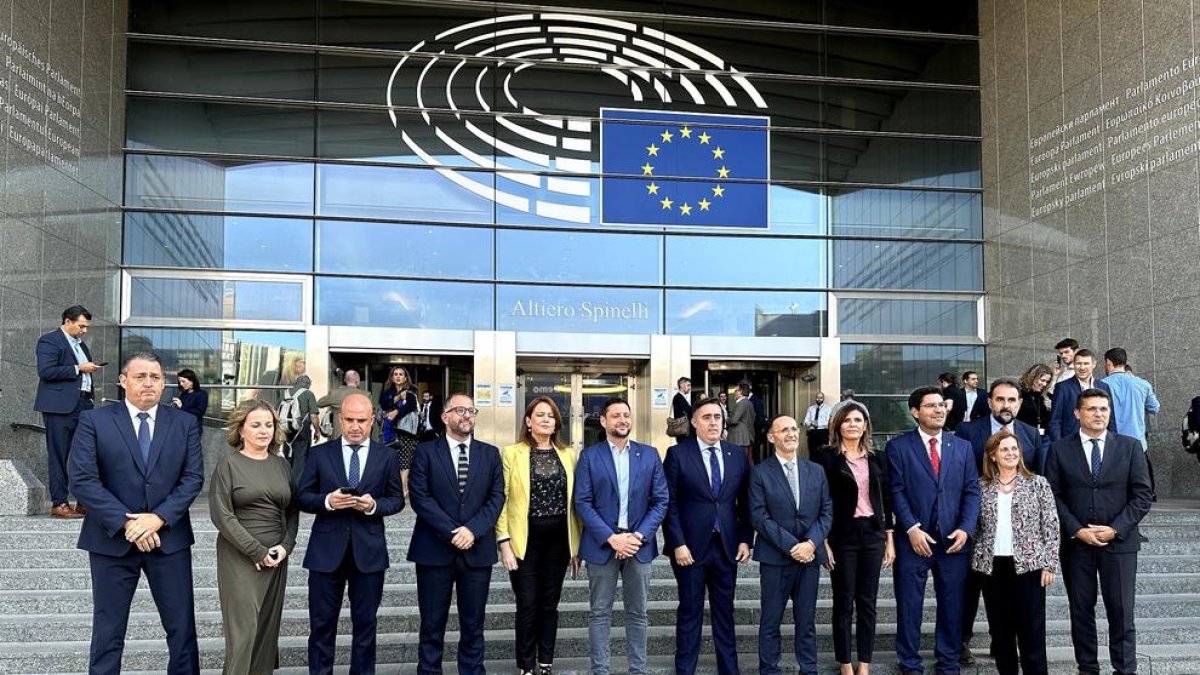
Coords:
462,467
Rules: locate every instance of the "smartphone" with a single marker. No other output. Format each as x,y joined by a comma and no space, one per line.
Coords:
102,363
353,492
1058,359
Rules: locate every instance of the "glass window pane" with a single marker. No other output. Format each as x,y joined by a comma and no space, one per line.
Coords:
758,262
902,161
218,242
897,109
238,19
746,313
201,126
578,310
524,255
363,135
404,194
938,16
881,316
152,297
191,183
796,210
390,249
906,213
875,57
911,265
897,369
403,304
190,69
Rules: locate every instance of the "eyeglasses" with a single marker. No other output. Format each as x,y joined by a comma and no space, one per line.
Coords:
464,411
933,406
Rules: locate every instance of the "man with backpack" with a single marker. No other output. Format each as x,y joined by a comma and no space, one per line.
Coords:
298,416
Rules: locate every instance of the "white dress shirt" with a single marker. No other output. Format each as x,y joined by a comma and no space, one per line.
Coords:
363,450
453,445
705,461
1087,447
137,423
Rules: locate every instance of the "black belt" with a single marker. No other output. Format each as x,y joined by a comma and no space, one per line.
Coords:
622,530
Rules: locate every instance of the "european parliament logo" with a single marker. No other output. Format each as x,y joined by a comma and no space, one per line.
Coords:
660,163
664,168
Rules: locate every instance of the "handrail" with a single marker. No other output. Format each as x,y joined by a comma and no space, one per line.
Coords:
27,426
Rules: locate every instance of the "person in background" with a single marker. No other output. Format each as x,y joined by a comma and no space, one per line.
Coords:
1064,423
847,398
860,538
816,424
741,421
681,404
1064,363
1133,400
294,365
1035,400
1016,551
252,502
538,531
723,399
189,397
398,400
296,445
350,381
429,418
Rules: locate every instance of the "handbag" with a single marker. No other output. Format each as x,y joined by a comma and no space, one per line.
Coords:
677,427
408,424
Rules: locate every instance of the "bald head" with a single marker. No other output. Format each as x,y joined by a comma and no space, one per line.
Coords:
356,415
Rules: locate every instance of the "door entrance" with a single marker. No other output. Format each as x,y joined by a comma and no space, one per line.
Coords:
579,391
777,385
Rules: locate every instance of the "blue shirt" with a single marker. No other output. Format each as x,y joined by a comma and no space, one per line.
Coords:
621,462
1132,398
85,382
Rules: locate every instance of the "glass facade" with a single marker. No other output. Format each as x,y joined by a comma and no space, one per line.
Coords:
443,165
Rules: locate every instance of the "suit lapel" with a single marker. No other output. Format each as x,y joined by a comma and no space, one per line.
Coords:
1108,456
163,422
917,444
694,455
124,425
775,469
475,467
1081,460
727,454
610,467
441,455
371,468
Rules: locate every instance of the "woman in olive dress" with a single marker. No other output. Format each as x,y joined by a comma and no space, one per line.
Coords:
251,500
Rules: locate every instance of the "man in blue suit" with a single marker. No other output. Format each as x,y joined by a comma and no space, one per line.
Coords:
792,513
65,369
621,497
456,486
935,496
707,531
351,483
1003,400
136,467
1063,422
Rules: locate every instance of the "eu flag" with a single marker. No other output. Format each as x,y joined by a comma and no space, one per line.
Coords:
692,170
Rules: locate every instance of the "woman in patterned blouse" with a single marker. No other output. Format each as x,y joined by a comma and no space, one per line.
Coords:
1016,545
538,532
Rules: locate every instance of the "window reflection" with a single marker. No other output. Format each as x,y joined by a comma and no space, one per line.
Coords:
745,313
578,310
171,298
912,265
404,194
403,304
192,183
902,161
881,316
202,126
218,242
906,213
392,249
620,258
897,369
187,69
756,262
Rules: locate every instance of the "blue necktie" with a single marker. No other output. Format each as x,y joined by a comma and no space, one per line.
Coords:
144,436
715,468
354,470
1095,460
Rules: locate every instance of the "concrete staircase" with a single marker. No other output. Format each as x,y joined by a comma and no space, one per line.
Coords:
45,594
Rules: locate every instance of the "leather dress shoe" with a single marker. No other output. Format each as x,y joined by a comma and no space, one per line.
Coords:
966,657
64,511
79,509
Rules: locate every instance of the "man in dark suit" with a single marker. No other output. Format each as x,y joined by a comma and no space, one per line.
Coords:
65,389
792,513
681,403
741,421
1003,399
707,532
457,490
351,483
429,418
1063,421
935,496
136,467
621,497
1102,485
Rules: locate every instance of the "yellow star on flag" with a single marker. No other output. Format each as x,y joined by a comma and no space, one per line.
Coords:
718,191
652,149
666,203
685,132
723,172
719,153
686,209
652,189
704,204
648,170
704,138
666,136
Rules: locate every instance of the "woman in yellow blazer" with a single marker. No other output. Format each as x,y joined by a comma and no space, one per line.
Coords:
538,532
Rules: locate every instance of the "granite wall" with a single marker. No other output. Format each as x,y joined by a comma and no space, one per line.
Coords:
62,76
1091,202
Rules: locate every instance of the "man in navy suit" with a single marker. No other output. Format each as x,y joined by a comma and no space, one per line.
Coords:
621,497
64,390
1063,421
792,513
935,496
707,531
351,483
456,486
1101,482
137,467
1004,399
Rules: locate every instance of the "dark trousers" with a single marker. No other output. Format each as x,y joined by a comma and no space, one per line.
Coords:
114,580
1117,572
435,584
971,592
537,585
858,558
911,573
298,450
816,438
60,431
325,590
718,574
1016,612
780,583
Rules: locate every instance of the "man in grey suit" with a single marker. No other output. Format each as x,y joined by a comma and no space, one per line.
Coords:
741,421
1102,485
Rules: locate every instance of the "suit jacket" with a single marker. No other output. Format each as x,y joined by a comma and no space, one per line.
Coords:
1035,529
513,523
741,423
433,491
109,478
681,406
843,490
58,382
692,509
1062,409
958,411
780,522
977,432
918,497
1119,499
598,504
333,531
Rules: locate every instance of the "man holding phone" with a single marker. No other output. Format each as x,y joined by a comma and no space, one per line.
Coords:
351,483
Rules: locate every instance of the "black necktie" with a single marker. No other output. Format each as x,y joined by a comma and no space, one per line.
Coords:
1095,460
462,467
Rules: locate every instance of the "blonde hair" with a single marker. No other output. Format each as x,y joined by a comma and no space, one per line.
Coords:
287,374
237,419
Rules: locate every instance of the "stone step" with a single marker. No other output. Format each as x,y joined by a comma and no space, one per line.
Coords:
150,655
